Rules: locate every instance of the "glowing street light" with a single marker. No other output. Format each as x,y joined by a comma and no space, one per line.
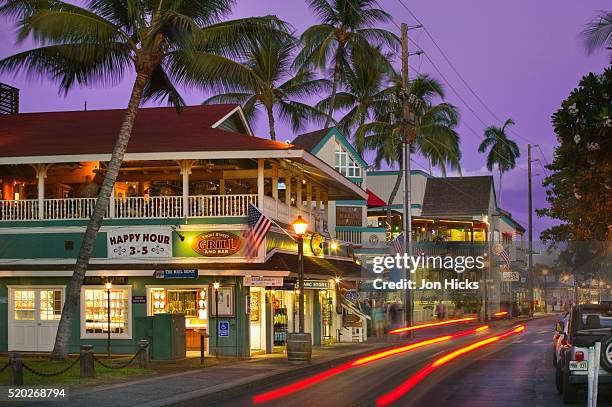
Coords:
300,226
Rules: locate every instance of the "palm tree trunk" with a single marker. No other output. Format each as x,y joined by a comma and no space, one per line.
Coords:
271,123
73,292
500,187
398,182
332,98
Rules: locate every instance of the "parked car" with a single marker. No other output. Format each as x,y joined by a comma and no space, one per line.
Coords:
588,323
559,338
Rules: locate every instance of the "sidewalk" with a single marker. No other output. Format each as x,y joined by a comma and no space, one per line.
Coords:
235,375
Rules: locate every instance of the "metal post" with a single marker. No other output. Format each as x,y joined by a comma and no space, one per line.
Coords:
300,243
530,257
108,320
406,161
16,369
217,323
202,348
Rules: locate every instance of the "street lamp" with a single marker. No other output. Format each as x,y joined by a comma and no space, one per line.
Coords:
216,287
108,287
299,227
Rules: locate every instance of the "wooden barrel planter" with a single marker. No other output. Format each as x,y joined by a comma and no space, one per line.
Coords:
299,348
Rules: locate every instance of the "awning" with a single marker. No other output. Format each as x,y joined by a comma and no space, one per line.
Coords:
374,200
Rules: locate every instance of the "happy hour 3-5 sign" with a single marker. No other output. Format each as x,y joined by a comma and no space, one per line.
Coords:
124,243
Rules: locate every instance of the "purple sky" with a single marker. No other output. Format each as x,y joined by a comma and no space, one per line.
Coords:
521,57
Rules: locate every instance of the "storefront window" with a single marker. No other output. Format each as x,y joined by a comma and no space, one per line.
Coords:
96,312
24,305
50,305
189,301
280,319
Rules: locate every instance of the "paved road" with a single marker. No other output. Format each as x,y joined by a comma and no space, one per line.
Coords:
516,371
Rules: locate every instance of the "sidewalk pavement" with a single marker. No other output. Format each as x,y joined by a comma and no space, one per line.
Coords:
235,375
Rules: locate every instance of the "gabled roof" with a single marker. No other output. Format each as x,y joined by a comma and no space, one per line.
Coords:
315,140
507,217
308,141
463,195
156,130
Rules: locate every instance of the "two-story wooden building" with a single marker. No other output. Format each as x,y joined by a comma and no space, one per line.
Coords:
174,226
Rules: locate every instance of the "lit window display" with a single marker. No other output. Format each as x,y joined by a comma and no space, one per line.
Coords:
96,311
24,305
50,305
192,302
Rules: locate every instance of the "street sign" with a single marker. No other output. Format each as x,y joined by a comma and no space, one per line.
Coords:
224,329
511,276
253,281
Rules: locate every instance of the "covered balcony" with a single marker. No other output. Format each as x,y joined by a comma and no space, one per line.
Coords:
203,163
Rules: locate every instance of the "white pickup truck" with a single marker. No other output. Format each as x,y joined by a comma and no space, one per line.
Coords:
588,323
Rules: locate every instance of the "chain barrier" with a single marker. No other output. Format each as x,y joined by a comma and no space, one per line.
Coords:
5,367
121,366
64,370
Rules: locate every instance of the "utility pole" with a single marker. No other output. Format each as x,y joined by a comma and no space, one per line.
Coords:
406,160
530,264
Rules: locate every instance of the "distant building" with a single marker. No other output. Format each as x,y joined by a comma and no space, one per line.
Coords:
9,99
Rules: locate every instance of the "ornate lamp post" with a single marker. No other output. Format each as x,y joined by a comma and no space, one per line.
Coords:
216,287
545,274
299,226
108,287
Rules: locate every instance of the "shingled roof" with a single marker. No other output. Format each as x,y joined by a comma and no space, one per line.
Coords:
457,195
158,129
308,141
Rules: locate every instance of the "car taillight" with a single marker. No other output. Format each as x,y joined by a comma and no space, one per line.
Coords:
579,356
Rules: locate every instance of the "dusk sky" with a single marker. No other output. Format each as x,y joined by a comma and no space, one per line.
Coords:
521,57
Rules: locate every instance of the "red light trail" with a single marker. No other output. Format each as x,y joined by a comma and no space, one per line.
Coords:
430,325
501,314
405,387
312,380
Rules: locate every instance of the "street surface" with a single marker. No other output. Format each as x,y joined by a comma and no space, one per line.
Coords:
514,372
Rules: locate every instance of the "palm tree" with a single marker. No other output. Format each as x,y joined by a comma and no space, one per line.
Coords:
364,82
598,33
268,62
434,126
163,42
503,151
346,28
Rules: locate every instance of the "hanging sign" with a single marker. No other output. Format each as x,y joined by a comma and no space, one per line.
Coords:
180,273
316,285
511,276
139,243
252,281
216,244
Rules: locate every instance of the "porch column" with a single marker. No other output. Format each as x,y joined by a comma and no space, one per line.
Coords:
260,183
41,174
288,188
111,204
222,186
185,168
298,192
309,196
275,182
317,199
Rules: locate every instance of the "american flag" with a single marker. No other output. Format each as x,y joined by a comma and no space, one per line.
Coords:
398,243
506,256
259,226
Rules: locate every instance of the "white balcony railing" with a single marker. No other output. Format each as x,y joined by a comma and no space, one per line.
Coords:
200,206
25,209
287,214
220,205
